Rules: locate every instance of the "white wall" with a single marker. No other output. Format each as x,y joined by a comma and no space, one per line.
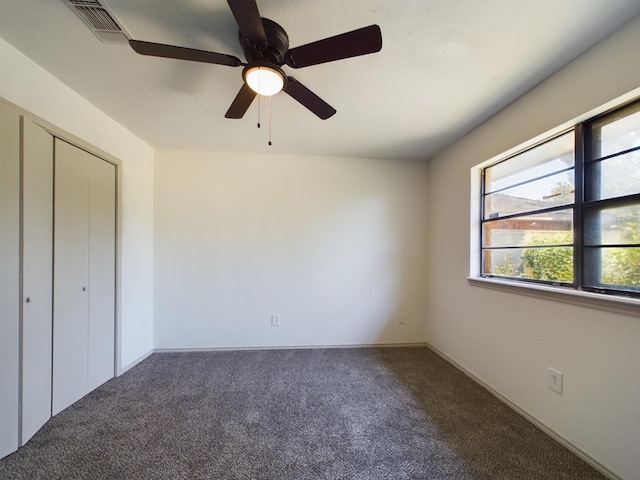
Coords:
28,86
336,246
509,340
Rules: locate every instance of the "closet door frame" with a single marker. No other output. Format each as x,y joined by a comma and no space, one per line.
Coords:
11,277
76,141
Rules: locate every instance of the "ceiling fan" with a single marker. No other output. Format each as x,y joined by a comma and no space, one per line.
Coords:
266,48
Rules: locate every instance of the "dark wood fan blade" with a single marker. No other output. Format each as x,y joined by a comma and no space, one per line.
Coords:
248,19
307,98
241,103
183,53
346,45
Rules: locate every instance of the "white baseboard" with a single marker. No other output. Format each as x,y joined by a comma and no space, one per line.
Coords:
289,347
557,437
135,362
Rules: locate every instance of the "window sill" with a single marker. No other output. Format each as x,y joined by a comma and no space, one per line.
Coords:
611,303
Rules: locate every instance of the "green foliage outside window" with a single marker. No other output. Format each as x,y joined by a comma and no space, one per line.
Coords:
622,265
551,264
508,267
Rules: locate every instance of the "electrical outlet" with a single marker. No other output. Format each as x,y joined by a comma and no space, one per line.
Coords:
401,320
554,380
275,320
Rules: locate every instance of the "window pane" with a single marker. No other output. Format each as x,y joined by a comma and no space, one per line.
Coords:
615,177
610,137
617,267
551,228
613,226
503,262
542,160
552,264
544,193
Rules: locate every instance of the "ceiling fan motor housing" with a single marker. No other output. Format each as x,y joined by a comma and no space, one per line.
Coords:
273,50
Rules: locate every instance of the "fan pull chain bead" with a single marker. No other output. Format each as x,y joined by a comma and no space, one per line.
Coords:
270,116
259,110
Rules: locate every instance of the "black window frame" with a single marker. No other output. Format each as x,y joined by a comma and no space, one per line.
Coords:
586,178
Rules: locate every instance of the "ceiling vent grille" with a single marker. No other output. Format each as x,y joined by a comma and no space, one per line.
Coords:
100,20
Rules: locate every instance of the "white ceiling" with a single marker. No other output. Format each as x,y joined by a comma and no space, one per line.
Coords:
445,66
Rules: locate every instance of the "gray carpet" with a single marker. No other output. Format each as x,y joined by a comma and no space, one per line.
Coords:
388,413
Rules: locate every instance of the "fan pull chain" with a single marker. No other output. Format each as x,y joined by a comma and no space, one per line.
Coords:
259,110
270,111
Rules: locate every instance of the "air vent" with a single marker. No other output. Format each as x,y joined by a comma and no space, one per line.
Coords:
100,20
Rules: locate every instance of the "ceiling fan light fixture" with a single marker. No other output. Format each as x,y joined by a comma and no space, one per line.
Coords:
264,79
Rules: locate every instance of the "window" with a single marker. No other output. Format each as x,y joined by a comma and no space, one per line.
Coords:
566,212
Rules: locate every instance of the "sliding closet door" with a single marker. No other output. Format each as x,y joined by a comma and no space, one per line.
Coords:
37,265
102,260
71,275
9,275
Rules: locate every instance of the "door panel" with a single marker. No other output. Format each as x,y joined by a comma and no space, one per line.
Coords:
70,284
37,265
102,214
9,277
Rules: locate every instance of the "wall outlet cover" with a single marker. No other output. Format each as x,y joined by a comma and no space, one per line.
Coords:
554,380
